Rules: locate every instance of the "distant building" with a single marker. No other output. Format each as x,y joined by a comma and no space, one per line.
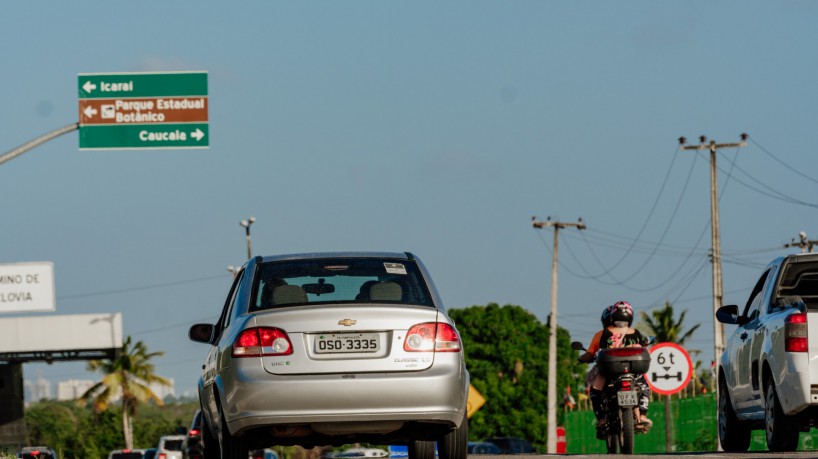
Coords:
37,390
164,391
73,388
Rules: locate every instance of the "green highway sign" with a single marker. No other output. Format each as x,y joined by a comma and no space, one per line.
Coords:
138,136
115,85
143,110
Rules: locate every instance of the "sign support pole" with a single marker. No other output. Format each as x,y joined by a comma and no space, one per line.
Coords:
667,423
38,141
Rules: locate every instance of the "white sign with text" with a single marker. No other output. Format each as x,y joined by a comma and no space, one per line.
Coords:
27,287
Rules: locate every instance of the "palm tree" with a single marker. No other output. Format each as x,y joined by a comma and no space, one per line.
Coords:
128,375
665,327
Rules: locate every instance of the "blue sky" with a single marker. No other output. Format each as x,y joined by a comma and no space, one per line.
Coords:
433,127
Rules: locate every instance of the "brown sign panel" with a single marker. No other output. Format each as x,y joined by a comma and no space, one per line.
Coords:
150,110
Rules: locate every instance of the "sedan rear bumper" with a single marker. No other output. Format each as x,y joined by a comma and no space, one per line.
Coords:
254,398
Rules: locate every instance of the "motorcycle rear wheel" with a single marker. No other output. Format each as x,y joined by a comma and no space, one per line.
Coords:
626,415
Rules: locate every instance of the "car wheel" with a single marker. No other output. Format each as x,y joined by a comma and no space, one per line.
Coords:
210,444
421,449
782,430
454,445
232,447
734,435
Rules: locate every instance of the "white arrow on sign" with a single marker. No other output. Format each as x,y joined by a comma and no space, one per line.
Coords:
88,86
90,111
197,134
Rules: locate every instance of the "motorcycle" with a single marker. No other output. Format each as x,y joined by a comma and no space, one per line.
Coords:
620,368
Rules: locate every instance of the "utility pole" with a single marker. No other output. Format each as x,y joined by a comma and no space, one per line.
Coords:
805,244
715,232
552,338
715,240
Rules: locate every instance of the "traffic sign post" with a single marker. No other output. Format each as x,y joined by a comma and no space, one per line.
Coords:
669,372
143,110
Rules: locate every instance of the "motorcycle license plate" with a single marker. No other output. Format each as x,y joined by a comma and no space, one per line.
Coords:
627,398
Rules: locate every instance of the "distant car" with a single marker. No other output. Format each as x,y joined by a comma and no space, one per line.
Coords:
192,447
483,447
127,454
170,447
513,445
318,349
37,452
266,453
360,452
150,453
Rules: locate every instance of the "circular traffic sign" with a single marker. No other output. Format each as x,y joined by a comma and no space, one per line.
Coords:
670,368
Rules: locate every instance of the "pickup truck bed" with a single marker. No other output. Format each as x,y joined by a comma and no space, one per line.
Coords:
768,373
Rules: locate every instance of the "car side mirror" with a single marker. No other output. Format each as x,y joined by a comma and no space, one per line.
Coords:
728,315
201,333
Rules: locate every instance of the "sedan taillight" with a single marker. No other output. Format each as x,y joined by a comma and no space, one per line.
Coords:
432,336
262,341
795,333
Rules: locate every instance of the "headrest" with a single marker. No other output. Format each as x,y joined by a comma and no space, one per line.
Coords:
288,294
386,291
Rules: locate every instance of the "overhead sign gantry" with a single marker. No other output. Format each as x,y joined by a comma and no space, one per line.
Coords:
143,110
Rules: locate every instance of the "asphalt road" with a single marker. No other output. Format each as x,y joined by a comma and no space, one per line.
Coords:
700,455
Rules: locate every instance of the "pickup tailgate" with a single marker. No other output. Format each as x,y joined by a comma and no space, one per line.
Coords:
812,356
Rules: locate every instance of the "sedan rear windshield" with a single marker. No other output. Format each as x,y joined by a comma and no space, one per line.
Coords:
339,280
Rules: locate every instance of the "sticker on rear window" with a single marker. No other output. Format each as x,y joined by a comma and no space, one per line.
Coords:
395,268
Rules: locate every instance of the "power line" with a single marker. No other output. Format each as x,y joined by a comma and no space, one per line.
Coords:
140,288
650,215
782,162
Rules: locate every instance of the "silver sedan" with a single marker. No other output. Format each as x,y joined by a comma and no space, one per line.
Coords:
330,349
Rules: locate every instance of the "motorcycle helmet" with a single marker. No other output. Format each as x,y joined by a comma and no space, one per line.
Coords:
606,317
621,311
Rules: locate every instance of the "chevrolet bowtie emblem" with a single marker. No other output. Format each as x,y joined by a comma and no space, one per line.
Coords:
347,322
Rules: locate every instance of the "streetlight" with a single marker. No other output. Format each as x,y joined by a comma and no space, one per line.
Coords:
246,224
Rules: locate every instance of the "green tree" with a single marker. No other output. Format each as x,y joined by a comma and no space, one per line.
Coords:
663,325
77,432
506,352
128,376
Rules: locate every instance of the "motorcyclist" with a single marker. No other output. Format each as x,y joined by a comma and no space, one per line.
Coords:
616,332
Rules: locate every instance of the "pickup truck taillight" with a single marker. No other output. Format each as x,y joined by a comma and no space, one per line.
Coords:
795,333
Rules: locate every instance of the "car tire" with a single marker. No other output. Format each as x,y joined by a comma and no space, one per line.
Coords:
734,435
455,444
782,430
210,444
419,449
232,447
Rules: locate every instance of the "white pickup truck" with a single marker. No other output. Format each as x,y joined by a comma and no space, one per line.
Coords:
768,373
